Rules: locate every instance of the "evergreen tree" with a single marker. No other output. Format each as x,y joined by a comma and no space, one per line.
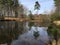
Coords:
37,6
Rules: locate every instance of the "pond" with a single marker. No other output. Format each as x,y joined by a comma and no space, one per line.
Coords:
22,33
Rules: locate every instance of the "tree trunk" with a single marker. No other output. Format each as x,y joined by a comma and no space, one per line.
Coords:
16,14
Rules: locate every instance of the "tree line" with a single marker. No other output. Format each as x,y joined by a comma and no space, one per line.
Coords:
11,8
53,29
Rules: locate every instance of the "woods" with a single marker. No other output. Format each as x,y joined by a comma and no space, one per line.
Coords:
10,30
11,8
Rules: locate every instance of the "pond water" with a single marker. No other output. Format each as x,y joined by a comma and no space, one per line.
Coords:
22,33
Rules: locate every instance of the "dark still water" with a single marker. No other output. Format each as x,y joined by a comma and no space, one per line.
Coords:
22,33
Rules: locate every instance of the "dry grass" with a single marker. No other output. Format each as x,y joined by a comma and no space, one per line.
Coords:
57,22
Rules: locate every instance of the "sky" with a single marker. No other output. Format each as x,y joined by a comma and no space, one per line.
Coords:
46,6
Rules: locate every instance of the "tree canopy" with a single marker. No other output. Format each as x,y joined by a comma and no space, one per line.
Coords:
37,5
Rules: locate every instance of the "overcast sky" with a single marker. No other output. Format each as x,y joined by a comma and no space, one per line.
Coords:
46,5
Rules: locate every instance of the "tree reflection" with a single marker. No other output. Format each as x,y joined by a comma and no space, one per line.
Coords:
30,25
9,31
36,34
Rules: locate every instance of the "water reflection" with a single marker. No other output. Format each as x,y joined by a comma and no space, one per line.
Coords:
30,24
28,38
22,33
10,30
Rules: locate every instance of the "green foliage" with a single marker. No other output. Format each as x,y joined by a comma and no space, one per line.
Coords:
54,30
31,15
57,1
9,6
6,2
57,4
37,5
55,16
